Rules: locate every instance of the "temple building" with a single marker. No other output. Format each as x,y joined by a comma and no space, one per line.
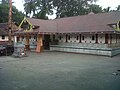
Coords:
4,31
97,34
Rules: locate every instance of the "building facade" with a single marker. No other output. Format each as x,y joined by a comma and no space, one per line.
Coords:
4,37
90,34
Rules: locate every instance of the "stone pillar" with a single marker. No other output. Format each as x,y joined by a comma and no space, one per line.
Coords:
39,43
27,46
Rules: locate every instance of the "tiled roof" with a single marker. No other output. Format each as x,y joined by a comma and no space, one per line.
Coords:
85,23
4,28
44,25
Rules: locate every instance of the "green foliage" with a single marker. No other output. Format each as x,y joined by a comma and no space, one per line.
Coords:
118,8
95,9
4,1
3,13
17,16
39,8
64,8
106,9
67,8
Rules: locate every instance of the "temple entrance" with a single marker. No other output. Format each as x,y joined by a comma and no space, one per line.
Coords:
46,42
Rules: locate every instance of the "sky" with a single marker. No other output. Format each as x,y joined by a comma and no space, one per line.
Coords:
104,3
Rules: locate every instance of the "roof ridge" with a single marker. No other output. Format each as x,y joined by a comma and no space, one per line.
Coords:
88,15
102,13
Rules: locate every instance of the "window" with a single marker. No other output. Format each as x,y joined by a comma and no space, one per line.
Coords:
93,37
82,37
3,37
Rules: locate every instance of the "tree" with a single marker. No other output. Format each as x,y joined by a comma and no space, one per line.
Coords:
118,8
64,8
107,9
39,8
67,8
95,8
4,10
30,6
3,13
4,1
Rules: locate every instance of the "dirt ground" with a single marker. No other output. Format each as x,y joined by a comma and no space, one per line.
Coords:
59,71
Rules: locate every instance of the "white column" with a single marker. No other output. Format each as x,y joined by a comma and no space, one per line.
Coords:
15,39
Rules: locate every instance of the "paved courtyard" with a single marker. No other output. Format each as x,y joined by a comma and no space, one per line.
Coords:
59,71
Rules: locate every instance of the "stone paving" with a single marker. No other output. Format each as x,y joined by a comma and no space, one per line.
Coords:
59,71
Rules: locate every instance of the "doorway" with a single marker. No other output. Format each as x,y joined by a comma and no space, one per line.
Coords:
46,42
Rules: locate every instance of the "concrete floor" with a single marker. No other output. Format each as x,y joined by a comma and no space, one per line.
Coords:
59,71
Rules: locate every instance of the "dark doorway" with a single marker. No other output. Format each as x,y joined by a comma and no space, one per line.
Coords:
46,42
96,38
106,38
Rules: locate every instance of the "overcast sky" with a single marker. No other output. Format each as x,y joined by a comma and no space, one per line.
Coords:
104,3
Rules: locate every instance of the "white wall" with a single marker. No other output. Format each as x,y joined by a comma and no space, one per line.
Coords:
73,38
6,38
88,38
101,38
31,40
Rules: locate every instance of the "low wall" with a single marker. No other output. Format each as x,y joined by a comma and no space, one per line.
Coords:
115,51
96,51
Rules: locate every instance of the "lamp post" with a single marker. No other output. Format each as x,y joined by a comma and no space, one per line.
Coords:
10,22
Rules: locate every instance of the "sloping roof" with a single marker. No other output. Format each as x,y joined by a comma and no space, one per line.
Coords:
4,28
88,23
85,23
44,25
